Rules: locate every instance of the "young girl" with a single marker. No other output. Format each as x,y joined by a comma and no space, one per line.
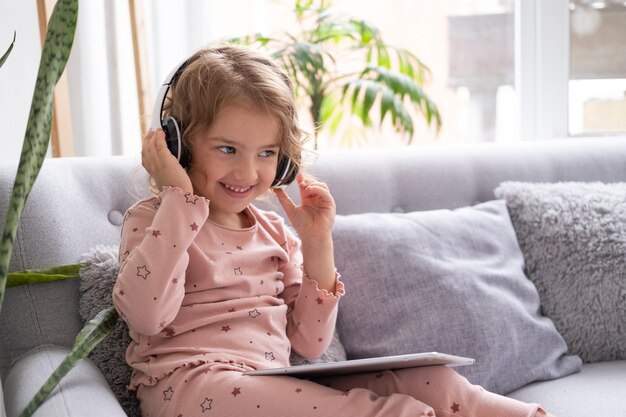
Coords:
211,286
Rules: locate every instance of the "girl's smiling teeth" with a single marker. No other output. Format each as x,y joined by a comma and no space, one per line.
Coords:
237,188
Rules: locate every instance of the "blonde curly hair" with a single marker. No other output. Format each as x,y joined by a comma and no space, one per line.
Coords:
218,76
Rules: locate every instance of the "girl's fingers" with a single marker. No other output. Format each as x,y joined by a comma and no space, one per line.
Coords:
285,201
305,181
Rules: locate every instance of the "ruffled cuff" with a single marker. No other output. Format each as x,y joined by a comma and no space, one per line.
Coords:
325,294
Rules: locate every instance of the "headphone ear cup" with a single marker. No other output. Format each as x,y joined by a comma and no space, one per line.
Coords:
174,141
286,172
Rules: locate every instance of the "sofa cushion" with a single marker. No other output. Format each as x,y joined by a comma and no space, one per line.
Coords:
2,411
83,391
96,286
448,281
573,236
597,390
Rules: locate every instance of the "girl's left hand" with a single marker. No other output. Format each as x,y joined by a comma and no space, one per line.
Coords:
315,216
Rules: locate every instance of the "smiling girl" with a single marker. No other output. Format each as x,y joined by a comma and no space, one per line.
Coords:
211,286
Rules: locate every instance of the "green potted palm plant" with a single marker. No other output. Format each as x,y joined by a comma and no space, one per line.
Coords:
379,81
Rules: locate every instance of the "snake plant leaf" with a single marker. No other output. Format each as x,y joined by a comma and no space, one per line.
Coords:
8,52
56,51
93,333
33,276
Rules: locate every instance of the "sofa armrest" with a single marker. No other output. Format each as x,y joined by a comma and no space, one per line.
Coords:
83,392
2,412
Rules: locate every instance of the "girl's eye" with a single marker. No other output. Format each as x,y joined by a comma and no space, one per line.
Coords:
226,149
267,153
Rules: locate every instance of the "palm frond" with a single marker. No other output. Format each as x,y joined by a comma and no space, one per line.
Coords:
326,36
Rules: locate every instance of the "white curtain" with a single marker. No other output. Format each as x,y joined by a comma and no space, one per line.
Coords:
103,89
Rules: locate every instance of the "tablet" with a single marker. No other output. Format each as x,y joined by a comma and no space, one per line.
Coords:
367,365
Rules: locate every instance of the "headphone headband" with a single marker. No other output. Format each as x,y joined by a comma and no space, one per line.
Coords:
157,112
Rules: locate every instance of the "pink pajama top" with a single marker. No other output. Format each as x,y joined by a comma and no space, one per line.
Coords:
195,292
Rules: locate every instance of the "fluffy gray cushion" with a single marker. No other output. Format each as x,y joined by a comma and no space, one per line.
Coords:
573,236
97,279
447,281
96,286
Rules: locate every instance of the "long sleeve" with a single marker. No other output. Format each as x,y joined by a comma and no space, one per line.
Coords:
312,312
153,258
311,322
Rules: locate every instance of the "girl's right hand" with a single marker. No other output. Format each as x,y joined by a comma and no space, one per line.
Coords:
161,164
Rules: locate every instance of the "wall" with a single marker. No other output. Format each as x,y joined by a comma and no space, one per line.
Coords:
18,74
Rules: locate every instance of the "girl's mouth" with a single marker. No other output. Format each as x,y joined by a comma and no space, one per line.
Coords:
237,190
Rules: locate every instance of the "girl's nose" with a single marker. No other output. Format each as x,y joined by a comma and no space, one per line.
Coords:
245,170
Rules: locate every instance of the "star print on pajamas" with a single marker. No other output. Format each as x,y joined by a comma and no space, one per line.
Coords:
143,272
254,313
206,404
190,198
167,394
269,356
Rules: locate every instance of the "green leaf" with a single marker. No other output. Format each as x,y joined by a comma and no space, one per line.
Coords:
33,276
56,50
302,6
8,52
88,338
384,60
387,99
368,100
255,39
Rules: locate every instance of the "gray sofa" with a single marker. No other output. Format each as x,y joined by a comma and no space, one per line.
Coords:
78,203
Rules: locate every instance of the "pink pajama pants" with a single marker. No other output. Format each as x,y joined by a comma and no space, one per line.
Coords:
223,391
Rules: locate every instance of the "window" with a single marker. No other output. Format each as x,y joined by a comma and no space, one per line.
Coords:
468,45
597,81
501,69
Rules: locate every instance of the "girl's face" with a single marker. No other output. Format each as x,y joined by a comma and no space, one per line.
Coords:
234,161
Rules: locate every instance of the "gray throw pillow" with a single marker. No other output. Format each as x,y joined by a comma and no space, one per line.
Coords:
447,281
573,236
96,286
97,278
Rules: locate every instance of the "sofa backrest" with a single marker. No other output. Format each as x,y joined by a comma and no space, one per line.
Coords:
78,203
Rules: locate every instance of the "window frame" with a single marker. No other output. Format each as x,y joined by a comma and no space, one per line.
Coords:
542,70
542,52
